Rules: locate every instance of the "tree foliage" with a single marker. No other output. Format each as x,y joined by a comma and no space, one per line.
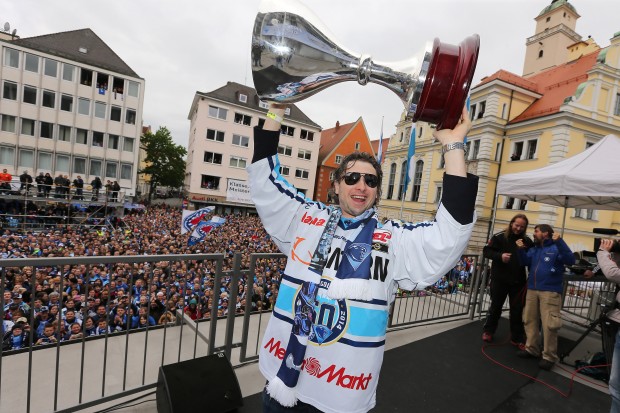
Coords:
164,160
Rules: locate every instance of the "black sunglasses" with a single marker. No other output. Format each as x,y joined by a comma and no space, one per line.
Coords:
351,178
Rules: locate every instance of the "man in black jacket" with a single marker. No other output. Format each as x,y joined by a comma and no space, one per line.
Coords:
115,189
59,183
96,185
507,279
26,182
40,180
49,181
78,183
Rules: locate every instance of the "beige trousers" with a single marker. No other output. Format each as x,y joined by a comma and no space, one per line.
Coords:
544,306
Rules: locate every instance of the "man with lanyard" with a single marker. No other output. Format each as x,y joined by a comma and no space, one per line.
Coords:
323,347
545,260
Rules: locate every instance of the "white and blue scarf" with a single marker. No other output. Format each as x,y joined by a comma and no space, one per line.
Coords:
351,282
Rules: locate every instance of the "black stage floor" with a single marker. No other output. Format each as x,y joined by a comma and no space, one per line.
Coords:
453,372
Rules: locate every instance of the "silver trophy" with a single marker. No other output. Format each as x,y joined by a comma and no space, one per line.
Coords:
293,57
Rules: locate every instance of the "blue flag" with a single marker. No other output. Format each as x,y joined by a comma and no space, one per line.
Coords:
410,165
380,151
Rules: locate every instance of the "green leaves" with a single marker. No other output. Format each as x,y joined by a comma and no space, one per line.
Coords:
164,160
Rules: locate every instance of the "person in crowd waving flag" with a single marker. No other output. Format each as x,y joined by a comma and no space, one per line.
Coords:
203,228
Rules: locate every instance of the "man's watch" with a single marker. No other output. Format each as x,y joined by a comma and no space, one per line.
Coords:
453,145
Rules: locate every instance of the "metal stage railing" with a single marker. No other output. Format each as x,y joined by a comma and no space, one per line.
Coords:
84,372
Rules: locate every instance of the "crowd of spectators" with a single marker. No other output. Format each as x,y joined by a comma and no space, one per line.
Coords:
458,279
109,298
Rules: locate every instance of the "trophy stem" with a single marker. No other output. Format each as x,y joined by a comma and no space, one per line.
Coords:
405,78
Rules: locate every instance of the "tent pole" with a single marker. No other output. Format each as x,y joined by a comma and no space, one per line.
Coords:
402,204
564,219
492,225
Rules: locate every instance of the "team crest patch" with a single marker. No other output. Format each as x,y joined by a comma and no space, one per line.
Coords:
324,321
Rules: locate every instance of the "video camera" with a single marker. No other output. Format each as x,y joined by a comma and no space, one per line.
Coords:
606,231
586,260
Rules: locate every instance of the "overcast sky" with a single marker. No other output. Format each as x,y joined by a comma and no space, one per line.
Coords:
183,46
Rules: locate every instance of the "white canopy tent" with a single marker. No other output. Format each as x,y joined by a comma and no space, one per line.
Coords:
588,180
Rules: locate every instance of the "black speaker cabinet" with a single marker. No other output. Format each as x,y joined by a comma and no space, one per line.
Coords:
205,384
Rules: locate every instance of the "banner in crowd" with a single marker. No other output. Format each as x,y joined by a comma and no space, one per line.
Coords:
192,218
203,228
238,191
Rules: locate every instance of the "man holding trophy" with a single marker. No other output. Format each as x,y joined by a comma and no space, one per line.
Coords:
323,347
324,343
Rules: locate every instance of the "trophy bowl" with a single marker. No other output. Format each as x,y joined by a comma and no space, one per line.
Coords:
295,56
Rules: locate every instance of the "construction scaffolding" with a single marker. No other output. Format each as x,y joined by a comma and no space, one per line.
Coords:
30,209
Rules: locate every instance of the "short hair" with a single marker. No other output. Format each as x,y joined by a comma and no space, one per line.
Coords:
545,228
354,157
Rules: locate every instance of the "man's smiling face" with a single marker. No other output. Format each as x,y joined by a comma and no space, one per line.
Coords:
357,198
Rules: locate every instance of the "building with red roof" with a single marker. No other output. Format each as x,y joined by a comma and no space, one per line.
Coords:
566,100
336,143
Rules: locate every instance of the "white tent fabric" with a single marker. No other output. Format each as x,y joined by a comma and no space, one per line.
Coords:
589,180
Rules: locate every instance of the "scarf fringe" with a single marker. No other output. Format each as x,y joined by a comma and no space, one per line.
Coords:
356,289
285,395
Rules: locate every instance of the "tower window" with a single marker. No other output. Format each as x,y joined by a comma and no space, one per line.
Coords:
540,54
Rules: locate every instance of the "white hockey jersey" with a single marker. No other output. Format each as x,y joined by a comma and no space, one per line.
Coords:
341,366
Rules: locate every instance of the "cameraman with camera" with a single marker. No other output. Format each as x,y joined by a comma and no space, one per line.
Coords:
612,272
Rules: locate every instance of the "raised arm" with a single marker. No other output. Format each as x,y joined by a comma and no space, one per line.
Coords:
276,201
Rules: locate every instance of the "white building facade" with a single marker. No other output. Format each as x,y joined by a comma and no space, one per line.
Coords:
221,146
70,106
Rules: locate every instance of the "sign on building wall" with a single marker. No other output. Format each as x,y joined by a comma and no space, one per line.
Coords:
205,198
238,191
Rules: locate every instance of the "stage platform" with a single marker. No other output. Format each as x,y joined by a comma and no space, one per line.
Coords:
454,372
446,367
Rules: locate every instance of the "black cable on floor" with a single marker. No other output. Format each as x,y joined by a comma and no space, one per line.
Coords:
124,404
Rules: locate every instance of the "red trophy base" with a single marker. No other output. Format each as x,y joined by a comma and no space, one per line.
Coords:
449,77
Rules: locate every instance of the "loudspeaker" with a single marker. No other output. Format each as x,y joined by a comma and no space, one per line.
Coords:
205,384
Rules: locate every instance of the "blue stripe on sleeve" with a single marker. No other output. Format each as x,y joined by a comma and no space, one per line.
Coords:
286,295
367,322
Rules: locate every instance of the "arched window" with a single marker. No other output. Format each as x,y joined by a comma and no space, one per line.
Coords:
391,181
417,180
403,174
540,54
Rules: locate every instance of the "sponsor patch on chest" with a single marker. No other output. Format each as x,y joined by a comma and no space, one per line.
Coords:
381,236
310,220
